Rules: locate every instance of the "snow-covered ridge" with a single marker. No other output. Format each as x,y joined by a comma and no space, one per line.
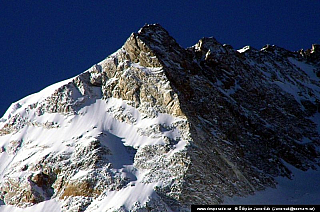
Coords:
31,99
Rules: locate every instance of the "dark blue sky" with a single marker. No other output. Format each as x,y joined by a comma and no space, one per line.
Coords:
43,42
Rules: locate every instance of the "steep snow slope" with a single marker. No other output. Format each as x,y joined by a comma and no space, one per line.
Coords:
158,127
295,191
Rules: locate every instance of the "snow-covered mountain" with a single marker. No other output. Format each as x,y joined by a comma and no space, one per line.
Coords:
155,127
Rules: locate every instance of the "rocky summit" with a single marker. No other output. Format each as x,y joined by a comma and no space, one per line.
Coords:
156,127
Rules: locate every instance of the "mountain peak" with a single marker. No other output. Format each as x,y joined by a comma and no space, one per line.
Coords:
158,127
152,29
157,38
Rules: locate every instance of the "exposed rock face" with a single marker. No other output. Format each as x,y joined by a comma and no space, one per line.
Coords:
186,126
313,54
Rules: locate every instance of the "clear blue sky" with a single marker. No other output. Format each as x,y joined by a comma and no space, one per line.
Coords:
43,42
